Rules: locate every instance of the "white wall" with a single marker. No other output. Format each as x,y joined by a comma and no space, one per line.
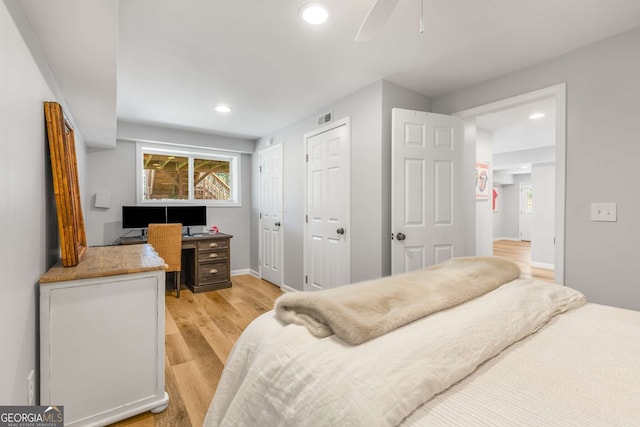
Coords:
484,214
114,171
543,231
370,111
602,153
29,244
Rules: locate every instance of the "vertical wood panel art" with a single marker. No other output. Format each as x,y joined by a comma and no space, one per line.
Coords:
64,168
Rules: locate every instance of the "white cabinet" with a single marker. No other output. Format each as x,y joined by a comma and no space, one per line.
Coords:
102,336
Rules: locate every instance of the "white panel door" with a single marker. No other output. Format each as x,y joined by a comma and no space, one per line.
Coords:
426,217
271,214
526,210
327,259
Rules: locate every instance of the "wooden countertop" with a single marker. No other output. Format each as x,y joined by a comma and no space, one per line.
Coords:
135,240
107,261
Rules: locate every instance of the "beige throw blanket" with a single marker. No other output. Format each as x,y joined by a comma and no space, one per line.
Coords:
363,311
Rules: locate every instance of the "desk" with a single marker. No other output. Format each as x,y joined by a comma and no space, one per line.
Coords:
206,260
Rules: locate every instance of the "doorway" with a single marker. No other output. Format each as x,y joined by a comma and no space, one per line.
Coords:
556,209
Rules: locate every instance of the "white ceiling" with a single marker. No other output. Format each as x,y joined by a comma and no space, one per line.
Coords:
517,140
79,40
177,59
513,130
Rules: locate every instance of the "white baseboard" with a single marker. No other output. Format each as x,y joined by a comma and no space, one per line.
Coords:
543,265
255,274
513,239
286,288
240,272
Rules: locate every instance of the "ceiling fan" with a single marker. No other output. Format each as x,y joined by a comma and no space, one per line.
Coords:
378,15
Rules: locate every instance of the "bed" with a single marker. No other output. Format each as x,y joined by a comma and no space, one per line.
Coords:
523,352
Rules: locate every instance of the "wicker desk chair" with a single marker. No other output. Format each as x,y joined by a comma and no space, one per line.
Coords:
166,239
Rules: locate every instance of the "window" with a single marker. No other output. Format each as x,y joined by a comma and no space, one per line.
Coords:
529,200
172,173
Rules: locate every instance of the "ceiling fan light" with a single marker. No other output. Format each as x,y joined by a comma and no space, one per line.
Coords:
315,14
223,109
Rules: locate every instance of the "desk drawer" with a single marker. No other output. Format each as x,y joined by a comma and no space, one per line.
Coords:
211,245
210,249
220,254
216,271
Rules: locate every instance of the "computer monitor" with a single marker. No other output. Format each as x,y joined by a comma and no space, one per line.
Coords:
142,216
187,215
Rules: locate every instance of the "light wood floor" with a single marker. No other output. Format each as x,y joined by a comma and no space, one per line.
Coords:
520,252
200,331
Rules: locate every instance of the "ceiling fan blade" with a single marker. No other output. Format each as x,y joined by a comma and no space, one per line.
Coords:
375,19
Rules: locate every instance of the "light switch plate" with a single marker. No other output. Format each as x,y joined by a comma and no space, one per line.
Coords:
606,212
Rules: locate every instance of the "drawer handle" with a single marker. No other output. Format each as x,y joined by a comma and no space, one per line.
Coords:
213,271
213,255
213,245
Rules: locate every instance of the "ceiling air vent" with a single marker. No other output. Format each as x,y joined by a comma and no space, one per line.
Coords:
325,118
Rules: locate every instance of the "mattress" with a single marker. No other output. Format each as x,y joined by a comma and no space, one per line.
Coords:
581,369
468,365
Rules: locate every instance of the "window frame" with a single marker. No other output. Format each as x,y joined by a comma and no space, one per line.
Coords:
190,152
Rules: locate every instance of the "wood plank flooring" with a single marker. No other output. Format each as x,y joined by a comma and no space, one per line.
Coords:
520,252
200,330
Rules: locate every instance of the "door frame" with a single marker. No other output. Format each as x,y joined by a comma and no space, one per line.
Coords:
322,129
559,94
281,233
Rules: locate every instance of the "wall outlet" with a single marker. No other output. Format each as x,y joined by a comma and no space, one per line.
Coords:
604,212
31,389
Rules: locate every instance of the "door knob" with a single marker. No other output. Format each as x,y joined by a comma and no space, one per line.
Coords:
340,230
400,236
277,224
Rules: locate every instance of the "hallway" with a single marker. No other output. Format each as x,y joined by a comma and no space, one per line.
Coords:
520,252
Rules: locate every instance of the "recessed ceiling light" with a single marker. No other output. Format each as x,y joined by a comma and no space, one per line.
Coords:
535,116
222,109
315,14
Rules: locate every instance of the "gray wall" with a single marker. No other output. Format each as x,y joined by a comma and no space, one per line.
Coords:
499,229
29,225
507,220
363,107
603,93
370,111
484,213
138,132
114,171
543,231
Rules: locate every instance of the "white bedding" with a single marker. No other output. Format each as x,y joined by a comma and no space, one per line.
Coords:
282,375
582,369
